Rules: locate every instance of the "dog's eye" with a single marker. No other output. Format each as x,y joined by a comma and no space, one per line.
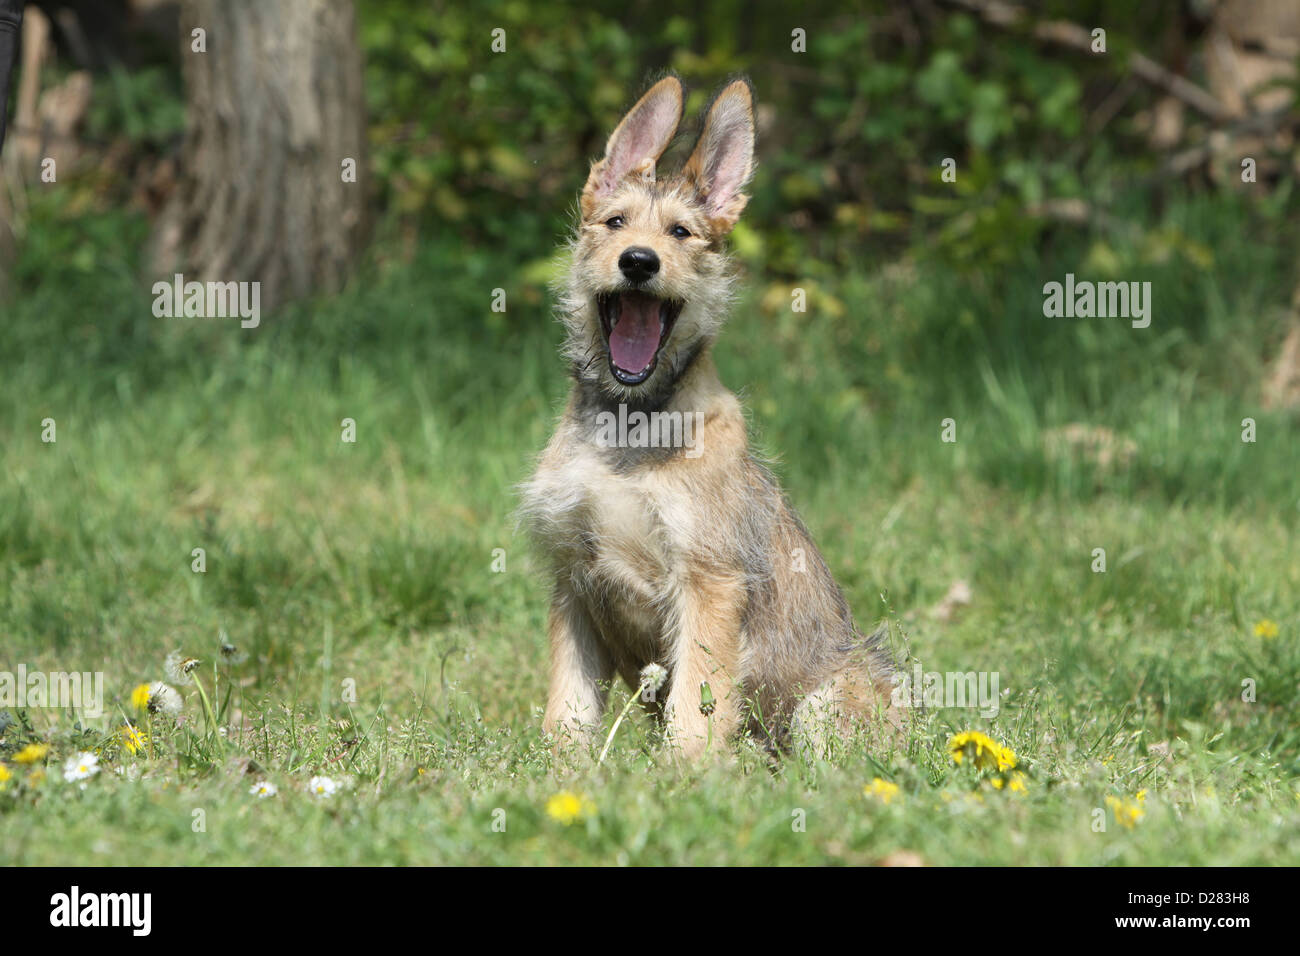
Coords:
680,232
614,222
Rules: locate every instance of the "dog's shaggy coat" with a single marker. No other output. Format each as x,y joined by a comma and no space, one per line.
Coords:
689,558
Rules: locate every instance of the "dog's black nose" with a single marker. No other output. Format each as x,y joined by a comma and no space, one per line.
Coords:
638,263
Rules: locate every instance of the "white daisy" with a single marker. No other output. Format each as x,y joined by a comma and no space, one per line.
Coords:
81,767
263,789
322,786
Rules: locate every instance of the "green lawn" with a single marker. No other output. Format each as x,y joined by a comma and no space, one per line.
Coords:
372,562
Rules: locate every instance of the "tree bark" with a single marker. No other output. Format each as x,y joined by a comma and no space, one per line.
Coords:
275,107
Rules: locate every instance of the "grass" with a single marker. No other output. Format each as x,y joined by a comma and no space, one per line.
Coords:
369,565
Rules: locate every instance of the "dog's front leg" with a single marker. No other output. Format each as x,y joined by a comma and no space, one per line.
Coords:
706,649
580,665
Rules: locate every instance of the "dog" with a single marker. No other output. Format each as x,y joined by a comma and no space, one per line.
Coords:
687,557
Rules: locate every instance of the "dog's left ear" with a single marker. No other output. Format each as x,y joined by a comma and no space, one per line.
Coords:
723,159
637,142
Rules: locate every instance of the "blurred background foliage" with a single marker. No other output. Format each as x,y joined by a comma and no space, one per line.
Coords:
493,146
853,130
1062,164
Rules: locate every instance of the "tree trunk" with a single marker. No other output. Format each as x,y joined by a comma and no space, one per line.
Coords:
275,108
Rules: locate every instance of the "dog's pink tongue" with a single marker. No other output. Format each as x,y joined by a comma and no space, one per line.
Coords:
635,336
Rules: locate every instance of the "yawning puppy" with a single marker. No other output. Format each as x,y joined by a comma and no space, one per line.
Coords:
670,544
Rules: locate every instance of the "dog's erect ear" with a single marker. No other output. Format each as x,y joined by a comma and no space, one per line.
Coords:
637,142
723,159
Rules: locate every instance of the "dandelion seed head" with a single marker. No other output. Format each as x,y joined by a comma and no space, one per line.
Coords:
653,676
164,699
178,667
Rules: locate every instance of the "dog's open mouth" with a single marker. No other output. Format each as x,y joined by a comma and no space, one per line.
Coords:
636,327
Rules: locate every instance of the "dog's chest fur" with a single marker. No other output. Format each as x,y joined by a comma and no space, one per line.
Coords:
621,533
626,526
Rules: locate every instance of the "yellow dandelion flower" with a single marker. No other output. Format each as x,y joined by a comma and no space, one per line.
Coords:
140,697
885,790
133,739
4,775
32,753
1127,812
567,807
1266,629
970,743
984,752
1017,783
1141,796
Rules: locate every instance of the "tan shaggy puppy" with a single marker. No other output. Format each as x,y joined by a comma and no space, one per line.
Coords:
670,543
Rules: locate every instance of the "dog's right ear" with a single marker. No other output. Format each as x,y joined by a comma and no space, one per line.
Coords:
637,143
